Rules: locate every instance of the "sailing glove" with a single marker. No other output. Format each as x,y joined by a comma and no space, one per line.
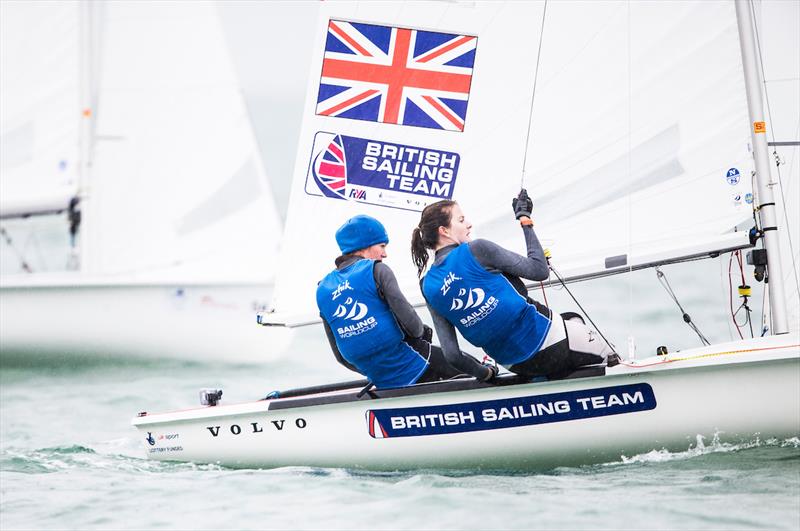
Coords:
427,333
522,204
492,372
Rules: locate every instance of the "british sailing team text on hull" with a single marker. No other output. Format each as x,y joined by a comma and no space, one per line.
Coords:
736,392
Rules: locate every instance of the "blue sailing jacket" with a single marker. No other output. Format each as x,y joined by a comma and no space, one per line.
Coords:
366,332
485,308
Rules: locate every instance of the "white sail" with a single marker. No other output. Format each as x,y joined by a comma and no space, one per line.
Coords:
39,110
449,162
639,144
177,182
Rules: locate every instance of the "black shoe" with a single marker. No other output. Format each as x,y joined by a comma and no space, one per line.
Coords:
612,360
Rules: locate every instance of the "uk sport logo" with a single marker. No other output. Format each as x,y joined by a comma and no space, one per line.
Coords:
475,297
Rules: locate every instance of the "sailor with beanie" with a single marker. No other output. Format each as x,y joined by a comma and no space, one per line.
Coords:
371,327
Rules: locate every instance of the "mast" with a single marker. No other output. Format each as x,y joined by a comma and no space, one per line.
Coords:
764,182
81,254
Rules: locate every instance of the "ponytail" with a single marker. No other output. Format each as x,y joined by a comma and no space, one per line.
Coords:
419,253
426,235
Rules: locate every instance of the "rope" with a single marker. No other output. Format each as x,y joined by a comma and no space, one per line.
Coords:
609,343
533,96
686,318
25,266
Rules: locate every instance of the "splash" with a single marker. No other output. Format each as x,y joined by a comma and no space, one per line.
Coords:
701,448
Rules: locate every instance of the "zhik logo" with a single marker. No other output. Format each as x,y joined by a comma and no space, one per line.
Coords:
474,299
448,280
357,311
338,291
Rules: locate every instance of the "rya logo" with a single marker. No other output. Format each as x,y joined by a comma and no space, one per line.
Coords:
448,280
150,440
356,311
338,291
355,193
474,299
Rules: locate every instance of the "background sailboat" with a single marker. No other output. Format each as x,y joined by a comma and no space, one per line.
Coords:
135,108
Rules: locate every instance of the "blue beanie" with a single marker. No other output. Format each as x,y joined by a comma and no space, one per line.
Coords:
360,232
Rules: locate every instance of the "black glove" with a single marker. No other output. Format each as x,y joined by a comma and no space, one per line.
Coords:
427,333
492,372
522,204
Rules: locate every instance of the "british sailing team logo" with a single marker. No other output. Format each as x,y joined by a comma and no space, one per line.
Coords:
380,173
150,440
330,171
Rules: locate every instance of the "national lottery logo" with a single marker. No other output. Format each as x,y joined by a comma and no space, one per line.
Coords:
380,173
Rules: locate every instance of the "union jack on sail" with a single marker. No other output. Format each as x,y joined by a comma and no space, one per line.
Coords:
330,171
396,75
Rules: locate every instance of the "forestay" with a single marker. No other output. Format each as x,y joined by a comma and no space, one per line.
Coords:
39,113
638,151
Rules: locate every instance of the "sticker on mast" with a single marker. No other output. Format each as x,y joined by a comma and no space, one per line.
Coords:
380,173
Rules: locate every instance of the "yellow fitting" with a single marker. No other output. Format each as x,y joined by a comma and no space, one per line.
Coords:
744,290
547,253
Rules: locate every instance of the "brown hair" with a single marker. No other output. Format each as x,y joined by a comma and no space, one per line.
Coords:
426,235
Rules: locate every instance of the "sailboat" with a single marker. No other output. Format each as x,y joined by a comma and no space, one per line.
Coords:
124,122
647,147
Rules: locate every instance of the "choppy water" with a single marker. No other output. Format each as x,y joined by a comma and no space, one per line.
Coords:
69,458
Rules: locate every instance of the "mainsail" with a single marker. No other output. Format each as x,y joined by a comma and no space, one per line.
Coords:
178,182
175,189
39,109
638,150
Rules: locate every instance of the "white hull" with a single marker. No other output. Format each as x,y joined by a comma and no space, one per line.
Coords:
737,391
72,321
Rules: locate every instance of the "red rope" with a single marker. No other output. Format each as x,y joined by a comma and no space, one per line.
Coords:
730,296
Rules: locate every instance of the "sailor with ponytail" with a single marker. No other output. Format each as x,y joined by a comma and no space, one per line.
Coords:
371,327
476,288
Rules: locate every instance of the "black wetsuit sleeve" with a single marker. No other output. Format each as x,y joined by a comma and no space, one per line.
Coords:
493,257
334,348
449,343
405,314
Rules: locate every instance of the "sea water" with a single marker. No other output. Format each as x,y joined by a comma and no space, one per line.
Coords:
69,458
